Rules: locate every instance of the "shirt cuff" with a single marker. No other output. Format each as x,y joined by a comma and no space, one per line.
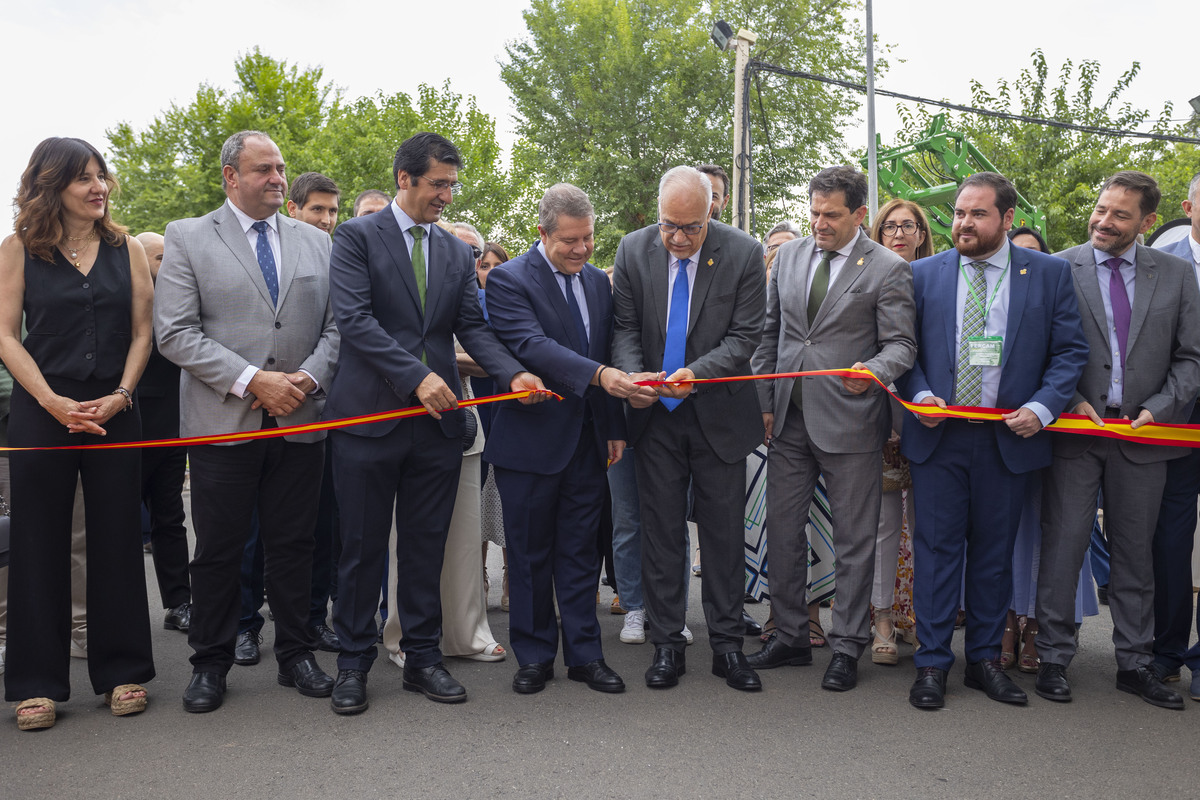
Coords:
316,383
239,386
921,397
1042,412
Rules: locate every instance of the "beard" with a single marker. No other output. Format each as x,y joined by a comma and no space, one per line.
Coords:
981,246
1118,244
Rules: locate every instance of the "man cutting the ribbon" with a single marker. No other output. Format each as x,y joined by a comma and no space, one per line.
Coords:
998,327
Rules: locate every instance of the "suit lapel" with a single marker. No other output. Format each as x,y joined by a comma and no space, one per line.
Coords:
229,230
847,275
437,263
947,279
1018,295
706,270
544,276
1144,280
659,261
393,240
799,278
1086,283
289,254
595,282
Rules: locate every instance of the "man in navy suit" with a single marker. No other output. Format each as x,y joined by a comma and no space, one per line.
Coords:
997,326
401,289
554,311
1175,535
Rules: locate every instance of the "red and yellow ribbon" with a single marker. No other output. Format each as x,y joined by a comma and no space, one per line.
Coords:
291,430
1150,433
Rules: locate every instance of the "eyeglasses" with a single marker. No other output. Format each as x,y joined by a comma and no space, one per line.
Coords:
475,251
889,228
441,186
688,230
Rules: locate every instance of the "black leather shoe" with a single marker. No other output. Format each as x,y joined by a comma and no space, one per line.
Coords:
841,675
178,618
777,654
991,680
666,669
1052,683
307,678
349,692
736,671
325,638
929,689
204,693
1145,684
752,626
245,652
531,678
435,683
597,675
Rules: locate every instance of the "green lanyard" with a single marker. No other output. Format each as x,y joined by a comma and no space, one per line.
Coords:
972,297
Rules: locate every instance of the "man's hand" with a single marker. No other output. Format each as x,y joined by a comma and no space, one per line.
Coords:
527,381
769,424
857,385
1142,418
645,396
616,449
678,383
1086,408
302,381
435,395
616,383
275,392
932,422
1023,422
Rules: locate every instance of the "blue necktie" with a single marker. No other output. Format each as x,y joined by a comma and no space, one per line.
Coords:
266,261
576,314
674,353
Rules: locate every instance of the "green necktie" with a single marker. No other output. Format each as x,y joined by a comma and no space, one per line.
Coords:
968,385
418,261
820,286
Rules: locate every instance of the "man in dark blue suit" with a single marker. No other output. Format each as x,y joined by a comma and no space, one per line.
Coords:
554,311
401,289
997,326
1174,536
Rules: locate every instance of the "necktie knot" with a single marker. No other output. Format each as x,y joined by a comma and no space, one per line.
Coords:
417,232
1114,263
260,226
979,266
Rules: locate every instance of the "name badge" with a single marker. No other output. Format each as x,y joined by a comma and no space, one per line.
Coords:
985,351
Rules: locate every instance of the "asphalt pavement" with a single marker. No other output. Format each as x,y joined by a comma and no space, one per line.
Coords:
700,739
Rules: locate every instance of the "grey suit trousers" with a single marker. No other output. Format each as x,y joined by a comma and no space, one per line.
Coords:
853,482
1132,493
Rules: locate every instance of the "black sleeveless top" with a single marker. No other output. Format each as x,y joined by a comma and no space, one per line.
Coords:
79,325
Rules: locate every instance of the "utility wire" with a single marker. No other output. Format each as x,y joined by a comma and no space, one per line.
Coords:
763,66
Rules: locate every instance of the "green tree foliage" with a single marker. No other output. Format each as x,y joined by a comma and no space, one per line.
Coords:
1061,170
172,169
610,94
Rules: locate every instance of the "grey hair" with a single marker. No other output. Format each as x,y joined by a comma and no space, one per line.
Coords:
1194,188
787,226
563,200
469,228
231,151
687,179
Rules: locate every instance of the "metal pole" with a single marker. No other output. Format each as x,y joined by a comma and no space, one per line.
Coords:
741,183
872,163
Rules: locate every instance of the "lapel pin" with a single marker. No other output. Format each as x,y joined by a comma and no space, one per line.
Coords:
710,262
1024,271
859,264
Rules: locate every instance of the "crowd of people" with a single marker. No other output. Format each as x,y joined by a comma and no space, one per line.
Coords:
247,320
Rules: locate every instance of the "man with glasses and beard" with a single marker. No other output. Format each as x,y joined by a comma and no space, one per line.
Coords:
997,327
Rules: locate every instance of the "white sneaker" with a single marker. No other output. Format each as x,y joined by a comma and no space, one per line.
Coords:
687,634
634,630
397,658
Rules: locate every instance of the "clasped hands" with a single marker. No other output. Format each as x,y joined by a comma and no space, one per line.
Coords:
280,393
87,416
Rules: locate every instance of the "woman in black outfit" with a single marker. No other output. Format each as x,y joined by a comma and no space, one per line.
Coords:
85,291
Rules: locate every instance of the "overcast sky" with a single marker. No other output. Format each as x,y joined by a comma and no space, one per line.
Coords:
75,68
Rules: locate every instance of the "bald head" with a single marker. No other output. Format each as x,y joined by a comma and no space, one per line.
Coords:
152,243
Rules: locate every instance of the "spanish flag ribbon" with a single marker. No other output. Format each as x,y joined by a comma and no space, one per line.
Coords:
291,430
1151,433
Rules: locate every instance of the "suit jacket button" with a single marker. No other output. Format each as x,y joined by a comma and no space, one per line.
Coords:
270,361
278,325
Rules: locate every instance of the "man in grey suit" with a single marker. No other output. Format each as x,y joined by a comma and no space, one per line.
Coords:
688,302
1141,315
242,306
836,299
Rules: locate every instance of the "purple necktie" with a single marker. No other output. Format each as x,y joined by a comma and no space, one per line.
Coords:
1119,299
